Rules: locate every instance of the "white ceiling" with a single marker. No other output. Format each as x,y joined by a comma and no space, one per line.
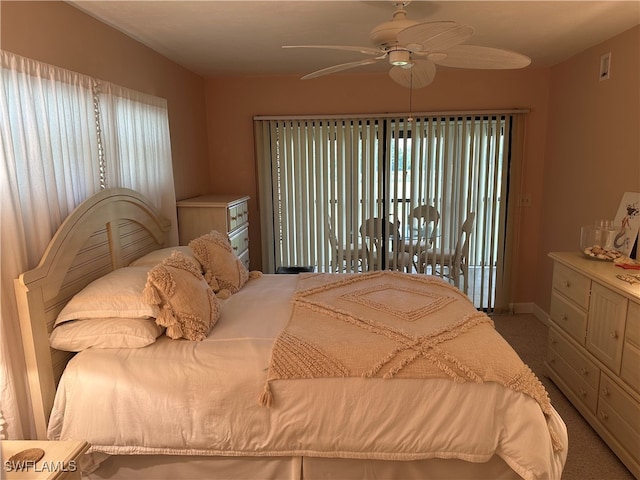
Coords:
244,37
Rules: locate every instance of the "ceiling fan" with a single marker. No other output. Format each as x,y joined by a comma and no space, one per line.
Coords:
415,48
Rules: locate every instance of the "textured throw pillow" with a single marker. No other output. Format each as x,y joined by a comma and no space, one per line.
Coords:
188,307
79,335
116,294
224,271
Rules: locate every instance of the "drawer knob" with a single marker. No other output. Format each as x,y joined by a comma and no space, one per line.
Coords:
584,371
583,393
553,341
552,360
604,415
234,217
613,334
564,317
235,247
566,284
606,392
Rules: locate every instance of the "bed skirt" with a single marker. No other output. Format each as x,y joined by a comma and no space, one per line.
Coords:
157,467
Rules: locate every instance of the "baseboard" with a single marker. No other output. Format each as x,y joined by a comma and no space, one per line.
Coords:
531,308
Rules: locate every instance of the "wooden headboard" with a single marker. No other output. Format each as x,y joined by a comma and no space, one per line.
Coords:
105,232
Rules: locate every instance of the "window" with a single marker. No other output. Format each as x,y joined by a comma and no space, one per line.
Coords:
62,139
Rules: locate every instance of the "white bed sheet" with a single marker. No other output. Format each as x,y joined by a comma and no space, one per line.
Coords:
118,400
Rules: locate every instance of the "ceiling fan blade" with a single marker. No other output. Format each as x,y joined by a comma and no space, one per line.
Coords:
343,66
365,50
476,56
434,36
421,74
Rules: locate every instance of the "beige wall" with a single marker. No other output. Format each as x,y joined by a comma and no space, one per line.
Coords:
56,33
232,103
593,147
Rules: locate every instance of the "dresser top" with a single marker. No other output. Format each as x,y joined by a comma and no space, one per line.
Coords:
601,271
213,200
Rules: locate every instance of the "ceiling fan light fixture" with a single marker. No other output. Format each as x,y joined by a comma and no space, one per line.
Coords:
399,58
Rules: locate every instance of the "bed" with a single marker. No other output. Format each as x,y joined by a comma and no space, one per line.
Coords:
279,387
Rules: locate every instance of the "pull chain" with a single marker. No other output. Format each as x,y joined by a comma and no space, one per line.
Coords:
410,118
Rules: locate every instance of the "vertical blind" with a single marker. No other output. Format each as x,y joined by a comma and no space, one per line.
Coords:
321,179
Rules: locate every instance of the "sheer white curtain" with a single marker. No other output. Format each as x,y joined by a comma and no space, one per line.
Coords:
64,136
135,136
48,165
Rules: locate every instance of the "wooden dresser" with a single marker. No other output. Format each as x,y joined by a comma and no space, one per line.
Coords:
225,213
594,348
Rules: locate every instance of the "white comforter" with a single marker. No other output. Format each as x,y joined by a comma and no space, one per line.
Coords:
201,398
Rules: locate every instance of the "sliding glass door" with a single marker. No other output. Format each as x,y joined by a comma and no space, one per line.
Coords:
357,194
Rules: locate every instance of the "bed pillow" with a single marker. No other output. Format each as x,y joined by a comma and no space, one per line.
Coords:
79,335
224,271
188,307
152,259
116,294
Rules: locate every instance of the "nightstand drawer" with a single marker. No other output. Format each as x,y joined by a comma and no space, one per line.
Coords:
569,317
571,284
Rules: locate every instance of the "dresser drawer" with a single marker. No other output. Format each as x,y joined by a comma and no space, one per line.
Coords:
244,258
632,334
585,368
620,414
570,318
624,404
579,383
630,369
238,215
571,284
240,240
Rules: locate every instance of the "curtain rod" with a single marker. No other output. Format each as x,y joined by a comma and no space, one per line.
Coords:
445,113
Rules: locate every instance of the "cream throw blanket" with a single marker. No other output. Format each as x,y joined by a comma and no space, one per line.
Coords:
392,324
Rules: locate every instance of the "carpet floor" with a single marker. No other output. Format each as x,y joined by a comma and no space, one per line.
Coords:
589,458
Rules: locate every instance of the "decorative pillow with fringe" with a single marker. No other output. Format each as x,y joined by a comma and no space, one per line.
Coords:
188,307
224,271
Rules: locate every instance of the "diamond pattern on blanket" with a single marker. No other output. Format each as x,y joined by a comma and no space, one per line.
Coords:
406,303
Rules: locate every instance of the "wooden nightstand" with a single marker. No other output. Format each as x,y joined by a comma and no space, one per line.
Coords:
60,460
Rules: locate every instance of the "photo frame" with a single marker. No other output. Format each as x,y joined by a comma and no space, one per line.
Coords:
628,220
